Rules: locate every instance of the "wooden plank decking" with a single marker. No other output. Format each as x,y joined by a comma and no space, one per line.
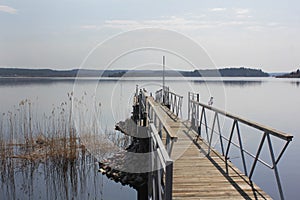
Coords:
198,176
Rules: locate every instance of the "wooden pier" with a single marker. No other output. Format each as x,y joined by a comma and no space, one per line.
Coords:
185,164
197,175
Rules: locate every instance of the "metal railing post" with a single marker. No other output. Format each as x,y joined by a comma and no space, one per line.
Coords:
241,148
257,155
189,105
197,113
212,132
275,167
220,135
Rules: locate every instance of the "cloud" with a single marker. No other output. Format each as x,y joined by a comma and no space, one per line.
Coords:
241,11
8,9
187,22
233,23
89,27
256,28
244,16
259,27
174,23
273,24
171,22
217,9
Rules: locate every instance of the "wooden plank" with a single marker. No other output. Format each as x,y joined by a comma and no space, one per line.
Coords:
161,116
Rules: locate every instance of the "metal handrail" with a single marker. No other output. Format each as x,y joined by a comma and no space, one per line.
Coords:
159,95
198,118
255,125
165,170
160,123
170,99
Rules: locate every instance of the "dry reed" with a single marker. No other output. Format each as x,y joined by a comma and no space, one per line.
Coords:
61,141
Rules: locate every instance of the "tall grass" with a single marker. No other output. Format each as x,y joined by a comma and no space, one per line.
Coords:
68,135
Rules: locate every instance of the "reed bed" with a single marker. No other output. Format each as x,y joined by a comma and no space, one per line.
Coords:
61,141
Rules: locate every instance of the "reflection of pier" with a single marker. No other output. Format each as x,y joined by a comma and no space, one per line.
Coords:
185,161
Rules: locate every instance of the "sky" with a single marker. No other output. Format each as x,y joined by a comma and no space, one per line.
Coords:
61,34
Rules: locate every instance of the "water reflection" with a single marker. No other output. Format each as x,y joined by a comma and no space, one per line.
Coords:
45,156
261,102
296,83
4,82
29,173
71,80
54,177
231,83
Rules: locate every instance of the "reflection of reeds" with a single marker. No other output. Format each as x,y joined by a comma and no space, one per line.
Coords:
29,140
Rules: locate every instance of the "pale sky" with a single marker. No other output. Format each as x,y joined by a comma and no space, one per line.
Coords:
59,34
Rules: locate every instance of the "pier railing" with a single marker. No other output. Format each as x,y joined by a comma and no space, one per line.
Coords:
197,115
162,175
161,124
170,99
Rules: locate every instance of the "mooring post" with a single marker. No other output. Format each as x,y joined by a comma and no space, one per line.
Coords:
145,113
142,192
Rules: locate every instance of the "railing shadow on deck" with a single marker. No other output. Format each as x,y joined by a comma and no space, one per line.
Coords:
221,169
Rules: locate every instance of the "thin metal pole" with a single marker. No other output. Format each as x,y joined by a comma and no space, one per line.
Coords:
212,132
241,148
220,134
282,151
197,117
230,138
189,106
200,124
275,167
257,155
205,124
164,80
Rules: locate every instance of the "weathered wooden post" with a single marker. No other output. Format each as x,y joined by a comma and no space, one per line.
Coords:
145,144
135,107
145,147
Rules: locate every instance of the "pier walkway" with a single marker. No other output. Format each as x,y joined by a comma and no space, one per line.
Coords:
192,168
197,175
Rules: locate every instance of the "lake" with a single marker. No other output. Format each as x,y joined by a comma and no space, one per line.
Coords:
268,101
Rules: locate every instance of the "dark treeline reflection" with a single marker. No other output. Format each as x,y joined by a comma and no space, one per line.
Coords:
28,81
11,81
33,81
40,81
232,83
48,81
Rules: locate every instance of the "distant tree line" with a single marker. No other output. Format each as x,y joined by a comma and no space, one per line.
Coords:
225,72
295,74
228,72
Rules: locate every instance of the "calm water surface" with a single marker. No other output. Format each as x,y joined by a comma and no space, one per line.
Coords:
269,101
